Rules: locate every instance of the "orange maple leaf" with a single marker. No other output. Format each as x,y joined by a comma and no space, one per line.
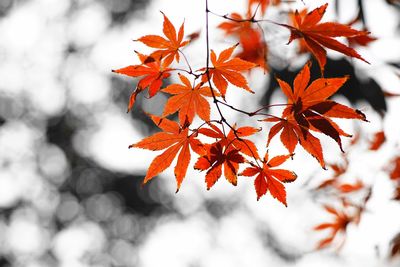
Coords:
174,140
237,141
271,179
263,4
339,225
349,188
377,142
308,109
394,173
254,47
362,40
216,157
319,35
397,193
153,70
168,48
236,26
188,100
228,70
338,170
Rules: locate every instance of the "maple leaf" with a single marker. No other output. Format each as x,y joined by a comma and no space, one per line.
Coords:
349,188
236,26
263,4
270,179
254,47
153,70
308,109
174,140
395,169
338,170
397,193
377,142
339,225
237,141
168,48
317,35
214,159
362,40
228,70
188,100
395,246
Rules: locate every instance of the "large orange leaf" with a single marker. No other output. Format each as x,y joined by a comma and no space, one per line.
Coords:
169,46
153,70
174,140
270,179
189,100
318,35
308,109
228,70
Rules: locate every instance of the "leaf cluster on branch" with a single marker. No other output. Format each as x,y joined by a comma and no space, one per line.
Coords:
229,153
308,109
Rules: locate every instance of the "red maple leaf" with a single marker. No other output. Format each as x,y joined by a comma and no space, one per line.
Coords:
270,179
168,48
262,4
216,157
339,225
338,170
237,141
226,70
394,173
153,70
189,100
377,142
254,47
308,109
174,140
317,35
395,246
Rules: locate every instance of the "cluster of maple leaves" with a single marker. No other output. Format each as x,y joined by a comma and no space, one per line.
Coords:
230,154
352,198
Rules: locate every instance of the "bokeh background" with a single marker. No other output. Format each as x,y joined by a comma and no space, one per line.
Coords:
70,189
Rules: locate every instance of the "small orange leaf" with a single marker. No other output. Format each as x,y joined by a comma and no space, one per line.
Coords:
270,179
348,188
228,70
168,49
217,157
154,73
189,100
379,139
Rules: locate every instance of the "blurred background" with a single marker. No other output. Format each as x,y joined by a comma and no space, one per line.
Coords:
70,189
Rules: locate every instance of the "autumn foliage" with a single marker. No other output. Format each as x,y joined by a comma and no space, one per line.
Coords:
219,148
